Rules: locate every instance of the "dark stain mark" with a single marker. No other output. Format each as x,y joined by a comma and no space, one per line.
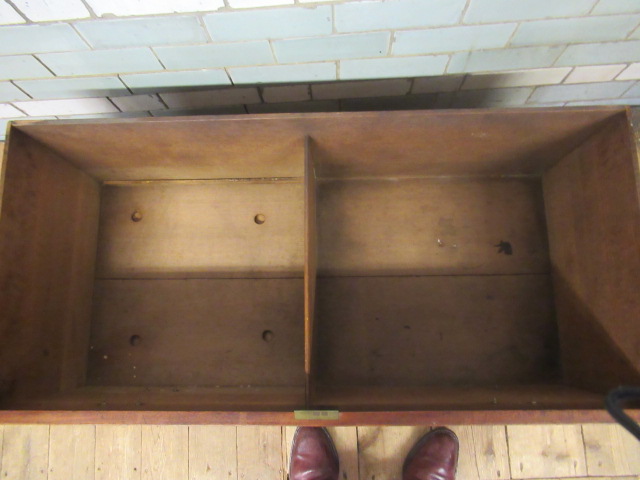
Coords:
490,452
504,247
407,327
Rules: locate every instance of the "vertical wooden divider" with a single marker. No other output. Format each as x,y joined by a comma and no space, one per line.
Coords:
310,264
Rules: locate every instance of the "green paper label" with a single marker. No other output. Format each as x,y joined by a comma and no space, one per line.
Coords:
316,414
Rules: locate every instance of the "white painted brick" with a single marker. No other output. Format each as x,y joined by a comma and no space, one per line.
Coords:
633,91
53,37
452,39
269,23
374,68
156,82
73,87
393,14
9,92
125,8
99,62
9,111
138,103
257,3
608,7
48,10
488,11
521,78
301,72
504,59
334,47
22,66
632,72
595,73
575,30
142,32
370,88
286,93
191,57
447,83
74,106
211,98
600,53
580,91
8,15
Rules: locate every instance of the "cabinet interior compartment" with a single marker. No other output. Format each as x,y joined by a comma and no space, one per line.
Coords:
445,260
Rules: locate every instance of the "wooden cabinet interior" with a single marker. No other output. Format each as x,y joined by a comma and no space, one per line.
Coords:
474,261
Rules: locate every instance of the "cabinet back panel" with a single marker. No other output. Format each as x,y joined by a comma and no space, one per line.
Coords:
201,229
462,142
197,332
432,226
436,330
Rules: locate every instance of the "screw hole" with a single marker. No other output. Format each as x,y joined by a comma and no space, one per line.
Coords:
136,216
267,335
135,340
259,219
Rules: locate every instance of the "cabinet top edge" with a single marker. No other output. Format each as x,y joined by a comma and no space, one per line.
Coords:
474,112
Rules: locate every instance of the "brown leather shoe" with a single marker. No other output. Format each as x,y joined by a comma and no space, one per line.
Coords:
433,457
313,455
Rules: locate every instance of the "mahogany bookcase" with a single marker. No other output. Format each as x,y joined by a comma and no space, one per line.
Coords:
417,267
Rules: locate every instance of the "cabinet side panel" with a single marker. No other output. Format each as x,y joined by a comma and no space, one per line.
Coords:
48,229
593,216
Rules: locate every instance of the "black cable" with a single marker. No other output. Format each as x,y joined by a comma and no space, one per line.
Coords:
613,403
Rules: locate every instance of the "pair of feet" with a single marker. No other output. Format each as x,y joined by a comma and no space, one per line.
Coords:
314,456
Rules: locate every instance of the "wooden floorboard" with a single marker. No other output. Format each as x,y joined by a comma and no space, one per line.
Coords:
106,452
72,452
118,452
546,451
213,452
610,450
260,453
165,452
